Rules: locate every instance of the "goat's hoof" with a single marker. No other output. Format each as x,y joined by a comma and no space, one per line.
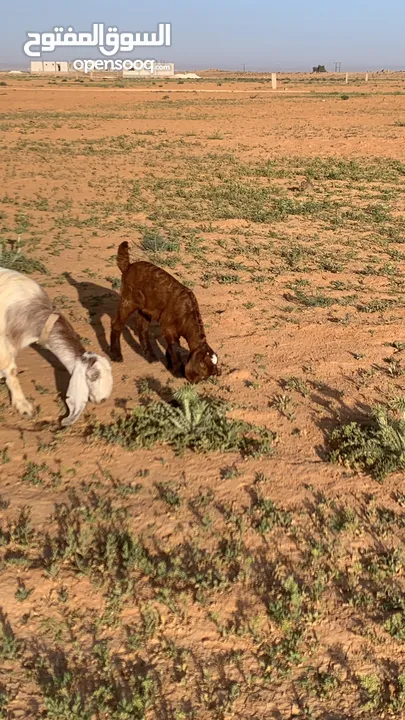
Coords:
24,408
147,355
117,357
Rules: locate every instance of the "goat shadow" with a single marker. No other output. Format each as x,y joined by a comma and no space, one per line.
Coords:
62,376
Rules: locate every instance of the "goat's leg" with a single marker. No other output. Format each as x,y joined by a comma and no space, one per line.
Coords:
142,327
8,369
125,310
173,360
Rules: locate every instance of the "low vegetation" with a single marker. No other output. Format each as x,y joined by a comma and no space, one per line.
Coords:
170,557
16,260
375,444
190,421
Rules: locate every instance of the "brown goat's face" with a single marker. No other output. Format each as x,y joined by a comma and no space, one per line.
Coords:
201,365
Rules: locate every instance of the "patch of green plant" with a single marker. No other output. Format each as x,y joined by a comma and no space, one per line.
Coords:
189,421
22,592
3,694
319,683
4,456
155,243
169,494
19,531
314,300
265,515
33,473
115,282
395,626
297,384
10,647
287,605
190,568
93,540
375,445
373,689
377,305
100,686
15,260
285,406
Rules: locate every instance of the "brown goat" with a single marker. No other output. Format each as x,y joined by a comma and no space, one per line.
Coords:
158,296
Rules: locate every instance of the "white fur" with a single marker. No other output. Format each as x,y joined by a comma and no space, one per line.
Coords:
16,288
214,359
77,393
100,386
94,383
91,376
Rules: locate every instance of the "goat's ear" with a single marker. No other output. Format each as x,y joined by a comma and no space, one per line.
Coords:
77,394
92,373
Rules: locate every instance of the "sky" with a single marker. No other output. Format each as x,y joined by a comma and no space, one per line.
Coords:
262,35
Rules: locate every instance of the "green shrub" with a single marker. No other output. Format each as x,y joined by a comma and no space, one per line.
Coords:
376,445
156,243
199,424
15,260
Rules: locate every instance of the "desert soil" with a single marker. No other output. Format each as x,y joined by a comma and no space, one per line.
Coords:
262,587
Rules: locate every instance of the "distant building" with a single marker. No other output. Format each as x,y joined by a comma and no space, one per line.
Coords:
159,70
42,66
187,76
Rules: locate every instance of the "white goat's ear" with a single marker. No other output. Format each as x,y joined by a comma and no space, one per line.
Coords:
77,394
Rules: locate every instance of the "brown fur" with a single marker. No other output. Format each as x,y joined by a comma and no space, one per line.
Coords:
158,296
123,261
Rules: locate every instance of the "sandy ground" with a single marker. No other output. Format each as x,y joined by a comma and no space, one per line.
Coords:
69,205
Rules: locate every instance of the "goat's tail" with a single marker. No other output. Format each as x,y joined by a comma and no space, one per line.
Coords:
123,261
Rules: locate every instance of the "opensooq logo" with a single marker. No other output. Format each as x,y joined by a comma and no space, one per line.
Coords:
109,43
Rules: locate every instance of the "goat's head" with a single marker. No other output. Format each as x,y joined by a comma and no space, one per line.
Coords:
201,364
91,380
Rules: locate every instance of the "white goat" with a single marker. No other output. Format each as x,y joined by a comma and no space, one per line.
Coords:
26,317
